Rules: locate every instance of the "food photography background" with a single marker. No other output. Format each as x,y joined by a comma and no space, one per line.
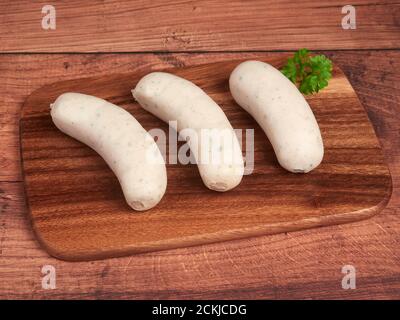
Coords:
104,37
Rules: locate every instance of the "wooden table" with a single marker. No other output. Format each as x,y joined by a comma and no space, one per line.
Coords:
102,37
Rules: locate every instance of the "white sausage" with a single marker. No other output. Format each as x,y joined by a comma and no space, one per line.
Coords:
125,145
172,98
281,111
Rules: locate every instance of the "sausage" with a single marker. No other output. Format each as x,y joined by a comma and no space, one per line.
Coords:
128,149
281,111
172,98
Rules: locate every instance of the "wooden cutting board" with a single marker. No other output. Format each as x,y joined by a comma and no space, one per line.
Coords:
78,211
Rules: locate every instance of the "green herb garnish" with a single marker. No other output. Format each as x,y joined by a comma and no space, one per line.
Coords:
309,73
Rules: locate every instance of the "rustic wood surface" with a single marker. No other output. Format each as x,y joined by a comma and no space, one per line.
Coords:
302,265
211,25
83,216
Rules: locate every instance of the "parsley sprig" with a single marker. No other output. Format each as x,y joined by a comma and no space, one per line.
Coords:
309,73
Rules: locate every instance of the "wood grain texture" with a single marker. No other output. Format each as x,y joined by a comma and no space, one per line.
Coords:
211,25
300,265
83,216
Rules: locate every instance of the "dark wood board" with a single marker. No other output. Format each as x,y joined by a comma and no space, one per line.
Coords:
78,211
